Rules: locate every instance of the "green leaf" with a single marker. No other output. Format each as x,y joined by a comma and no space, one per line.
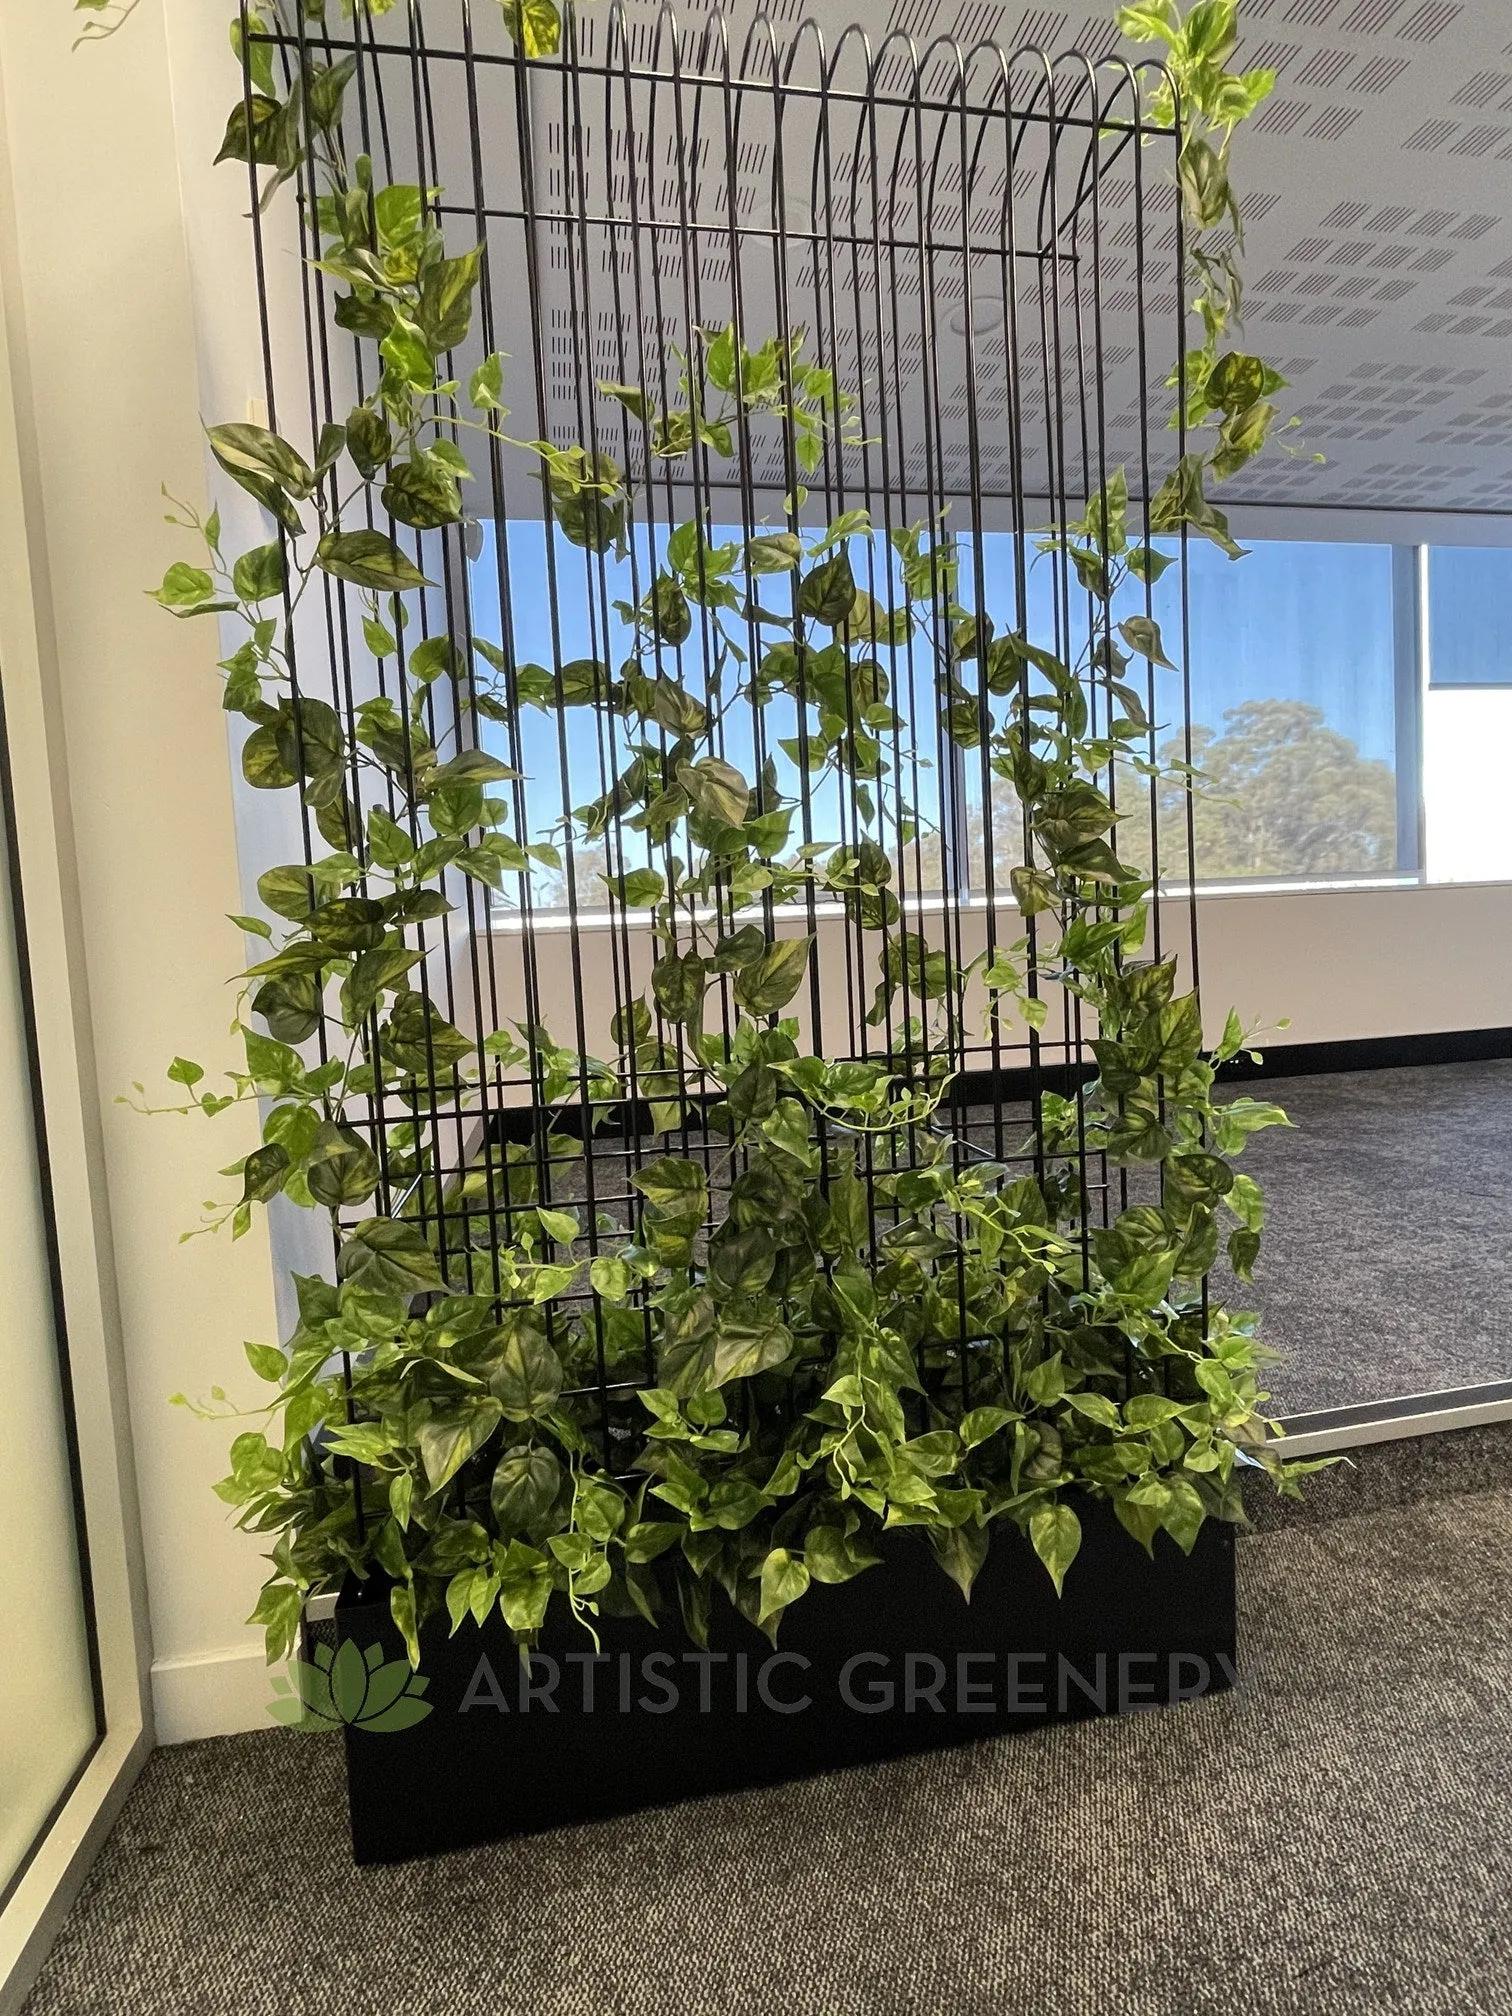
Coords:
259,574
673,1185
1055,1532
263,1173
187,591
290,1004
368,440
771,981
610,1277
784,1578
291,891
961,1551
524,1586
1150,21
445,307
1033,890
1184,1513
449,1438
745,1348
535,25
982,1423
774,553
419,1039
267,1361
562,1225
402,1610
678,982
1142,634
599,1508
1146,563
486,386
343,1169
421,492
717,789
370,559
253,129
389,1256
244,451
831,1557
1204,183
649,1538
325,88
524,1492
473,766
642,887
828,591
527,1378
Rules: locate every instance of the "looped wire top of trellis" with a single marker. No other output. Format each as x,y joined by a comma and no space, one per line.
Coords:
977,223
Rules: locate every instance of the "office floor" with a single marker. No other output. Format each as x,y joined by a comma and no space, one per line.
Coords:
1387,1263
1330,1837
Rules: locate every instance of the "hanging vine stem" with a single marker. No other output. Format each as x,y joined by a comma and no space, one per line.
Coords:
816,1382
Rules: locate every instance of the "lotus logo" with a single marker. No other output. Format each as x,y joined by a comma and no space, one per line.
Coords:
355,1687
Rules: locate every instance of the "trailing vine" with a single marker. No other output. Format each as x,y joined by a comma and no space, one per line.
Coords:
850,1333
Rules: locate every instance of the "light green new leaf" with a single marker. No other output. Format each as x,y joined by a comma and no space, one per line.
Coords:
783,1580
524,1586
1056,1534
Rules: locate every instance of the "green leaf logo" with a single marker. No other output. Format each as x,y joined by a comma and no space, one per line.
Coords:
352,1687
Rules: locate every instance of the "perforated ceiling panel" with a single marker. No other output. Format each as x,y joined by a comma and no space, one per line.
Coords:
1379,240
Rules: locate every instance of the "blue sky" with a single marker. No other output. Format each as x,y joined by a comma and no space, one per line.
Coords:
1294,621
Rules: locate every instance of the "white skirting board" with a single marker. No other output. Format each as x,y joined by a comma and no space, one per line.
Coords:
219,1693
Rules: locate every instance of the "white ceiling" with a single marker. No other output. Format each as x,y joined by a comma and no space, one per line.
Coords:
1379,244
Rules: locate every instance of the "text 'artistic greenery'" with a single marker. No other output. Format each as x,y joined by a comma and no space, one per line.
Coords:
848,1327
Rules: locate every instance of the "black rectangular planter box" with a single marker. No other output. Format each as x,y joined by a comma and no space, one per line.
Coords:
890,1663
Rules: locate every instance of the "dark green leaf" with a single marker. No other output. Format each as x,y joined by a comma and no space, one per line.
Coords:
772,980
389,1256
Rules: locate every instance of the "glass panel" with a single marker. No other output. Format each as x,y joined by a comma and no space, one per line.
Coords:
1293,709
47,1712
1469,616
1293,705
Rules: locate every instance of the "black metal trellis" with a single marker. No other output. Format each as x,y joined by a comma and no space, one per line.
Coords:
983,249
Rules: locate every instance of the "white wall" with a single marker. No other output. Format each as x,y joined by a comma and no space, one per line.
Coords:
1467,779
103,299
1336,964
1359,962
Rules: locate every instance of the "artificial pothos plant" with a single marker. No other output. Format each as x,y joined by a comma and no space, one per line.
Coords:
848,1329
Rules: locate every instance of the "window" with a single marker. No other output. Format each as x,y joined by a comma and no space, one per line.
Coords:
1469,616
1330,725
1294,711
1293,656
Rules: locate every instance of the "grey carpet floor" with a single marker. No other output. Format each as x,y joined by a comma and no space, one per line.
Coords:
1333,1836
1387,1262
